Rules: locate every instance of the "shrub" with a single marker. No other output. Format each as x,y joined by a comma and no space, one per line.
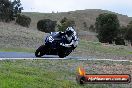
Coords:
64,23
119,41
92,28
85,26
107,26
46,25
128,35
23,20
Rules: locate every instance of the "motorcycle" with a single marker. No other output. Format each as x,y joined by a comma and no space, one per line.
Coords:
53,46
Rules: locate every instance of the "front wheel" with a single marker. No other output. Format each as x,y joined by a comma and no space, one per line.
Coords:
61,53
40,51
65,52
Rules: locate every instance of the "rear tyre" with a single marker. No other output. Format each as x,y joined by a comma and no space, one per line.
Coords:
40,51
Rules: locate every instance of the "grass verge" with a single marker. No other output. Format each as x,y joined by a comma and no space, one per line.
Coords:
84,46
55,73
97,47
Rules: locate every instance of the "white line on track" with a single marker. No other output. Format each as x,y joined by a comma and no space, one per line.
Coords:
94,59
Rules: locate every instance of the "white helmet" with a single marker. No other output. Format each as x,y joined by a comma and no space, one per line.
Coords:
69,31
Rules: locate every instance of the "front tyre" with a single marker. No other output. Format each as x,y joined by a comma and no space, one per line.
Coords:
40,51
61,55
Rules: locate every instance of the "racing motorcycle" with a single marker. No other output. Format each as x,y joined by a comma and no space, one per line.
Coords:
53,46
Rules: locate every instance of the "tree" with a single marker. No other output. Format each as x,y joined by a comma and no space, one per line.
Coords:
9,10
122,32
129,32
107,25
120,38
64,23
5,11
46,25
16,7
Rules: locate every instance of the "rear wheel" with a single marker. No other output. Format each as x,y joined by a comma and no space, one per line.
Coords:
40,51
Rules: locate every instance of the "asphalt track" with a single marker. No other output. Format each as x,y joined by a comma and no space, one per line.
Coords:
25,55
20,55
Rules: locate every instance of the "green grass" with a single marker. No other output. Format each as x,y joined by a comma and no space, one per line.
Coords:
49,74
96,47
84,46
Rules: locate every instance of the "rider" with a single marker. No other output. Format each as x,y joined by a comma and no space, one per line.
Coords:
71,38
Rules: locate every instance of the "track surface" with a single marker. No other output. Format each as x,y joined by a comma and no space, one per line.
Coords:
25,55
20,55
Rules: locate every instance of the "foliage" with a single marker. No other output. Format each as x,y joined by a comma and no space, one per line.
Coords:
92,28
23,20
17,7
129,32
85,24
64,23
120,39
122,32
107,25
5,11
9,10
46,25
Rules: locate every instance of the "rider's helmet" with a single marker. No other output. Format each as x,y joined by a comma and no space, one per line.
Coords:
69,31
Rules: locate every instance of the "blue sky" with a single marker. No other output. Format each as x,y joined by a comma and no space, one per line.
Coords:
47,6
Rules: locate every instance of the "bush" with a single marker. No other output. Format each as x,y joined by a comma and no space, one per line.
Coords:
119,41
46,25
107,26
65,23
23,20
128,35
92,28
